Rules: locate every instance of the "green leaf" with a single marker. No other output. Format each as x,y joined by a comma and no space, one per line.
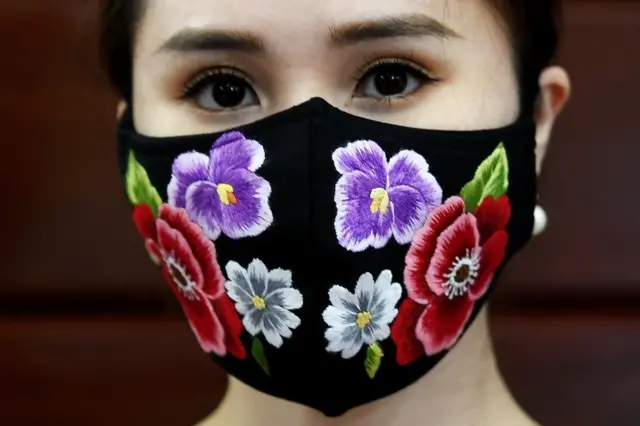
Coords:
491,179
257,351
374,360
139,188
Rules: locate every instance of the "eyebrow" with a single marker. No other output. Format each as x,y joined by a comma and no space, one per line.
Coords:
410,25
189,40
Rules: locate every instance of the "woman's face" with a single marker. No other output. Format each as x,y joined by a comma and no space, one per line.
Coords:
207,65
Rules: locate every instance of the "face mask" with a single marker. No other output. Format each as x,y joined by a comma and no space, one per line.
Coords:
325,258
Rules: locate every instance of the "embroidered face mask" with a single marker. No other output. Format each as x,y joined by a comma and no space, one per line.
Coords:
325,258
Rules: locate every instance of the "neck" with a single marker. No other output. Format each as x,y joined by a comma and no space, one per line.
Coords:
464,389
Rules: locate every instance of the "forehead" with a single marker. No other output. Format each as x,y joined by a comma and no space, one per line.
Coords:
295,22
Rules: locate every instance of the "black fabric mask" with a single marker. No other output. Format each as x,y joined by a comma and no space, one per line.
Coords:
325,258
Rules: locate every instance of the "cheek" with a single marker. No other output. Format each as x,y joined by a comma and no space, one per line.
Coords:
481,94
487,104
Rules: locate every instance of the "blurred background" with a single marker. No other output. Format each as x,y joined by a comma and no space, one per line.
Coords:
89,333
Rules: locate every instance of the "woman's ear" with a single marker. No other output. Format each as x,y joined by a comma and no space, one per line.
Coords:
555,90
122,107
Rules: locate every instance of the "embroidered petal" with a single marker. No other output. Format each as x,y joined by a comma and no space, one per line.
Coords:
273,330
492,216
344,300
239,205
338,318
203,322
343,337
202,249
253,321
232,326
408,168
279,278
410,212
424,245
375,332
363,219
287,298
442,323
382,286
460,240
287,318
403,332
363,156
491,256
145,221
233,151
154,252
187,169
179,259
355,345
203,207
238,294
364,291
384,310
258,272
238,286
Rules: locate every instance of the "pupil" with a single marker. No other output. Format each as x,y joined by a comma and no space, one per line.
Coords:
391,81
228,92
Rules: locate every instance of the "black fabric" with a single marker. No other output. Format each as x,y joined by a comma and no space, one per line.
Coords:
299,143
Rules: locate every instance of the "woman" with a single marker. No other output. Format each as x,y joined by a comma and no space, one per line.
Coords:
331,190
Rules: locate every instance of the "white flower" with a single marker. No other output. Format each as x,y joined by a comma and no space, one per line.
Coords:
361,318
265,298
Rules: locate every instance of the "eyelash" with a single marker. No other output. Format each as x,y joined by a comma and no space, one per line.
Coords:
376,60
195,84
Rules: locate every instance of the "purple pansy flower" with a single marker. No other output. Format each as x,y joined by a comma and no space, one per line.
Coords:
377,199
221,192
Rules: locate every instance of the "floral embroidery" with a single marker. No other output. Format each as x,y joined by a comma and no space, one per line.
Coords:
265,299
362,318
146,203
377,199
139,188
221,192
448,268
451,263
145,222
188,260
191,269
491,179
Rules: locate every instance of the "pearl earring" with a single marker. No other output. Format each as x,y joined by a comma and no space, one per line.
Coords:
540,220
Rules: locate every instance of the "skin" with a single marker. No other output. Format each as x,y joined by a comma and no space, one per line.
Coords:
476,88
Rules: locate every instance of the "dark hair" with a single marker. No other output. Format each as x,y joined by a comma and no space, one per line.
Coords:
533,25
118,24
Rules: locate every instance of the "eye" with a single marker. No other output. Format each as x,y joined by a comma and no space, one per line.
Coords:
221,89
391,80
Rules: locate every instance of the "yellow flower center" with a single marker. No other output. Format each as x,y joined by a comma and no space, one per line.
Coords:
364,318
259,303
380,200
225,192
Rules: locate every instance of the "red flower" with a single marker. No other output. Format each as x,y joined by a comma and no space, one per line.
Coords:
190,267
145,221
450,265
